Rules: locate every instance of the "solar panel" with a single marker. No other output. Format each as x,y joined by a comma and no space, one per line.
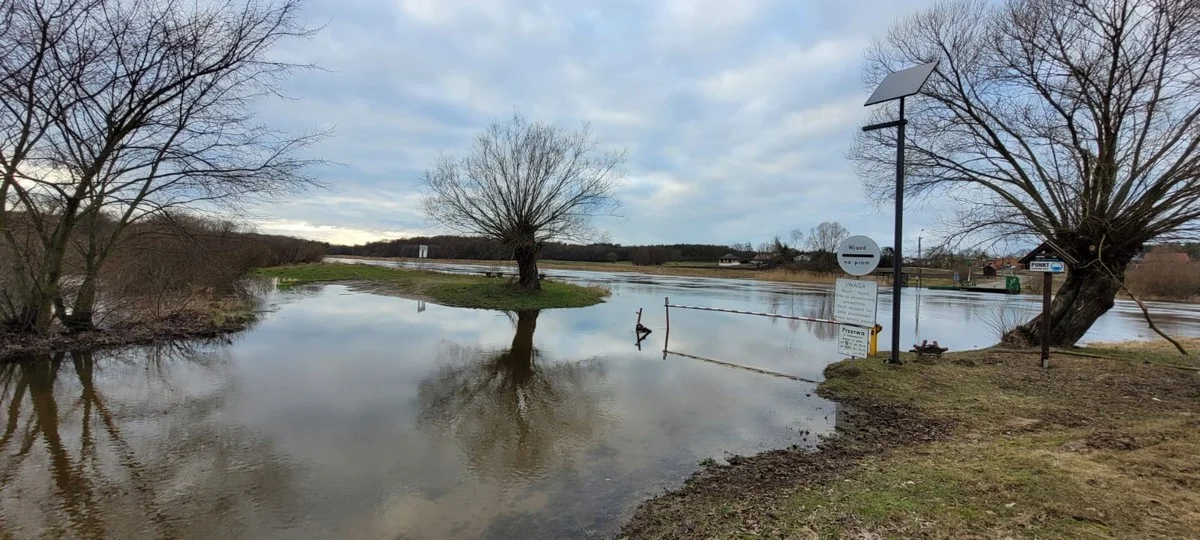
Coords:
902,83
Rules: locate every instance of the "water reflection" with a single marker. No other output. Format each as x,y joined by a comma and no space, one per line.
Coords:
77,462
511,413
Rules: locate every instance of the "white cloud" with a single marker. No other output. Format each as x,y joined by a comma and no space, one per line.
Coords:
330,233
736,115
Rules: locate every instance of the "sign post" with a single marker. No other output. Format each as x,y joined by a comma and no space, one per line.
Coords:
858,255
854,306
1048,266
855,301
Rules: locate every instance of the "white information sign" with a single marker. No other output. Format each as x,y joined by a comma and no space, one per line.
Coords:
854,302
1052,266
422,251
853,341
858,255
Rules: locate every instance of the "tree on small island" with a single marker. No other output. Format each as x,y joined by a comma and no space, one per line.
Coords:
524,184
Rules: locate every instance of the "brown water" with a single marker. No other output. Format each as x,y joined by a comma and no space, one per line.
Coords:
350,415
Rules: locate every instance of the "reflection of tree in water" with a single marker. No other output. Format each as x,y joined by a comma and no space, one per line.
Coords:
512,415
142,459
821,310
806,305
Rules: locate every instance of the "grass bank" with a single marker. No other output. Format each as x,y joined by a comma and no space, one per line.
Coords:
981,444
447,289
196,318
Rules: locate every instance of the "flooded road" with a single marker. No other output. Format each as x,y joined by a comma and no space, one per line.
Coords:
351,415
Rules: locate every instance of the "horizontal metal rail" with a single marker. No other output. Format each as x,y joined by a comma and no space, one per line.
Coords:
760,314
741,366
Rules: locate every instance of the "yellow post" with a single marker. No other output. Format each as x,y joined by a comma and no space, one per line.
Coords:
873,347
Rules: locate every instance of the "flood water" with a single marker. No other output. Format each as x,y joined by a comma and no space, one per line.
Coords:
351,415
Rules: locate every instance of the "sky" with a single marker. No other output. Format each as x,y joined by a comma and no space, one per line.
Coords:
736,115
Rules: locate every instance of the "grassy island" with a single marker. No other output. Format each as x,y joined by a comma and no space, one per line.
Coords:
468,291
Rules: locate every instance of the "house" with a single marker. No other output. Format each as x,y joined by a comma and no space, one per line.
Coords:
729,259
1007,263
763,259
989,270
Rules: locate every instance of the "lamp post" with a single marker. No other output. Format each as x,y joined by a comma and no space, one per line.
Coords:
898,85
920,261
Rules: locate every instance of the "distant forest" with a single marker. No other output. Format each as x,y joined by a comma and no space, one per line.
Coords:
462,247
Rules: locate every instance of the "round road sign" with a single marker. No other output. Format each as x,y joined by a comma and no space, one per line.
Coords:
858,255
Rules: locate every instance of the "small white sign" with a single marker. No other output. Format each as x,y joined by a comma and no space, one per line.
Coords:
422,251
855,301
853,341
1049,265
858,255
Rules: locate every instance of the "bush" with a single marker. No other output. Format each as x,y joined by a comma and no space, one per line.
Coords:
1174,281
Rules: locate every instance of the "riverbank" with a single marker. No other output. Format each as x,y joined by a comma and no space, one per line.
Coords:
203,319
979,444
447,289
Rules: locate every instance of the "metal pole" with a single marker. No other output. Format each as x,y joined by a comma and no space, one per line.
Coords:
920,263
898,257
1047,284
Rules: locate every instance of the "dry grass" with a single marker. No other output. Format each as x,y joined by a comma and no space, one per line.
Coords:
1165,281
1090,448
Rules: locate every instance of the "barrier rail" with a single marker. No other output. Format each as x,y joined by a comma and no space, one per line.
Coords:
741,366
667,305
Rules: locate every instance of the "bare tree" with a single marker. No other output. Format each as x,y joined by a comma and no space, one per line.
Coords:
827,236
30,33
797,237
1054,119
148,113
524,184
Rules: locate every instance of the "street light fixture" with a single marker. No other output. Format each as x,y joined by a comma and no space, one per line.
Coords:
898,85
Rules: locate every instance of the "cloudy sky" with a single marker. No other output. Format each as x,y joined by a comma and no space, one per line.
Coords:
736,114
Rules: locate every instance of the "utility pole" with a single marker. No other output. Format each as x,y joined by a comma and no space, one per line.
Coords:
920,261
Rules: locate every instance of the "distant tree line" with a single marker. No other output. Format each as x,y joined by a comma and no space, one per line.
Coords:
465,247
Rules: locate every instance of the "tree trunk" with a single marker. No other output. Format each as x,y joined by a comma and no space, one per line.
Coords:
37,310
519,359
1086,294
526,257
80,319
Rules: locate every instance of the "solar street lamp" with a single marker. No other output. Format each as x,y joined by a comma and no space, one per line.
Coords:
898,85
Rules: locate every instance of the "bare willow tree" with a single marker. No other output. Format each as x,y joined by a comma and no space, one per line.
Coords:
148,112
524,184
827,236
1063,120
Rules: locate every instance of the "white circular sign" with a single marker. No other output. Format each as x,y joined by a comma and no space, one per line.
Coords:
858,255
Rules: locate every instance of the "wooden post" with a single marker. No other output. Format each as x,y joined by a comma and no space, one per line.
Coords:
1047,284
667,338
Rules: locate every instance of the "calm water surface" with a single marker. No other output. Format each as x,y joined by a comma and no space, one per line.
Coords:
350,415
